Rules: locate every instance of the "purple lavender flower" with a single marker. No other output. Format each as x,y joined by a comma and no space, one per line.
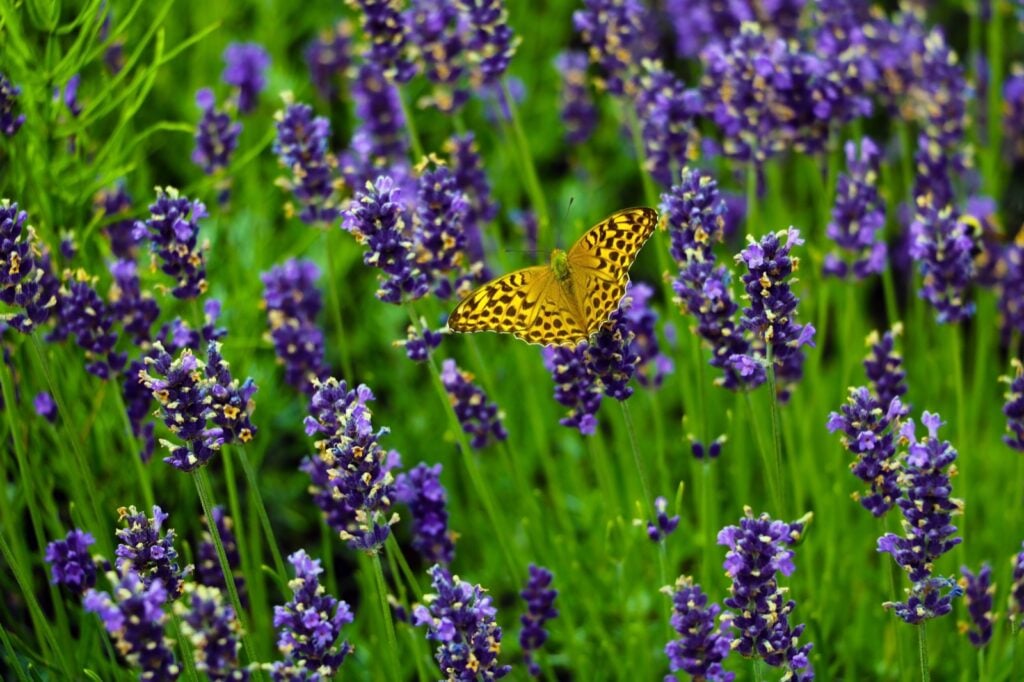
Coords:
418,344
698,23
667,111
613,30
1014,407
927,523
433,29
26,280
858,216
1016,601
770,315
309,626
70,562
9,121
712,451
293,302
480,208
135,618
943,245
134,309
978,590
208,569
213,630
216,135
438,226
696,215
378,219
479,418
302,147
352,480
173,233
578,111
702,645
83,314
69,95
384,24
1013,113
380,144
45,407
142,550
116,202
540,608
461,618
230,402
884,366
653,365
420,489
489,41
246,67
758,550
575,387
663,524
328,59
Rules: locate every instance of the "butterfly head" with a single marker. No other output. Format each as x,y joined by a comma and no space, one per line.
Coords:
560,264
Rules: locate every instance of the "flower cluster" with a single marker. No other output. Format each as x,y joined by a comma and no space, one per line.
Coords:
927,523
380,143
479,418
419,344
1014,408
642,319
1013,113
884,366
663,524
440,46
142,550
471,180
293,301
489,41
134,616
698,23
351,473
421,491
302,146
9,121
702,644
613,32
208,568
26,280
216,135
578,111
1017,588
83,314
134,309
385,26
116,202
540,608
328,58
438,226
71,564
246,64
173,233
213,630
858,216
944,245
460,617
309,626
45,406
978,590
667,111
758,551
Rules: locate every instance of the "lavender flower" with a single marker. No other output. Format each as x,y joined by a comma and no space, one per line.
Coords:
293,302
135,618
698,23
479,418
1011,288
575,387
380,144
653,365
471,181
578,112
352,480
213,631
667,111
134,309
758,550
173,233
711,451
1016,601
26,281
884,366
858,216
70,562
419,344
45,407
612,30
116,202
230,402
208,569
328,59
216,135
663,525
83,314
142,550
944,245
927,513
69,96
1014,407
702,645
420,489
302,147
1013,113
9,121
246,64
770,315
978,590
461,618
489,41
309,626
438,225
385,26
433,29
540,608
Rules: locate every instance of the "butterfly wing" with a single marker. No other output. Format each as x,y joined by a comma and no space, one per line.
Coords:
527,303
599,262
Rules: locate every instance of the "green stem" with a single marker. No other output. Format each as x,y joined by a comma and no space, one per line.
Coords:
12,656
776,430
332,287
922,650
389,626
261,511
140,467
769,468
752,216
993,174
186,647
533,186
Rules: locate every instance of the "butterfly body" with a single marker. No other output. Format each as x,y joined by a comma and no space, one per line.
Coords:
567,301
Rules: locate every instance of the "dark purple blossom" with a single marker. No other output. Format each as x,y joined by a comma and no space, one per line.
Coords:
480,207
433,28
9,121
385,26
134,309
45,406
663,524
1013,114
489,41
230,402
944,243
1014,407
328,59
134,616
578,111
480,419
653,365
145,550
246,67
978,590
115,202
759,549
420,489
698,22
540,608
380,143
293,302
418,344
213,631
884,366
309,626
352,481
440,236
302,147
461,618
858,216
612,31
216,135
703,644
1016,601
83,314
208,569
71,564
173,233
709,452
667,111
26,279
69,95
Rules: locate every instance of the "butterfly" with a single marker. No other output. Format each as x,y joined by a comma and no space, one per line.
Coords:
568,300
